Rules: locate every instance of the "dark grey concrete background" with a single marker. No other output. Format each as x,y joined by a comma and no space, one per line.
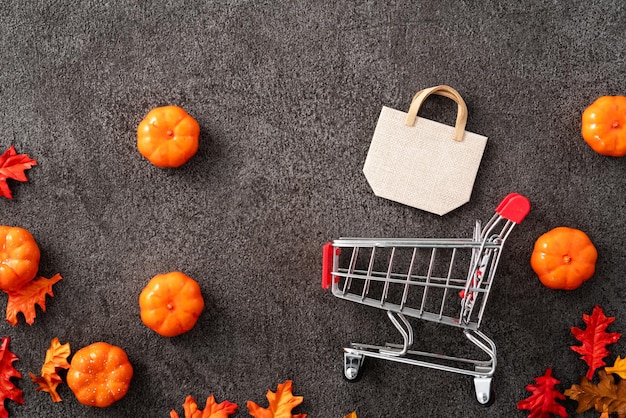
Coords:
287,94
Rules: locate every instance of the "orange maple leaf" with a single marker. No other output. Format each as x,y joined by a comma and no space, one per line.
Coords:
56,358
12,166
25,299
212,409
281,403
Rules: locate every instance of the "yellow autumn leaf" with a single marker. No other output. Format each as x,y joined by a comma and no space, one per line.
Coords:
619,367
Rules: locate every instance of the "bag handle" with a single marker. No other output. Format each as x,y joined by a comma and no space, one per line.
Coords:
446,91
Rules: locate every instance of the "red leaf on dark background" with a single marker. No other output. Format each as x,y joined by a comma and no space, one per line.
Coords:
594,339
542,402
12,166
8,390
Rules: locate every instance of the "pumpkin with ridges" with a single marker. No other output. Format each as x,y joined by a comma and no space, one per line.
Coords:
19,257
604,126
564,258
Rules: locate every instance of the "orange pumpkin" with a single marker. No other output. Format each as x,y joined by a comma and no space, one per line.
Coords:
564,258
168,136
604,126
171,303
19,258
99,374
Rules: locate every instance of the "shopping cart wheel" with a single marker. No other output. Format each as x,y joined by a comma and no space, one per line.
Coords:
485,394
352,366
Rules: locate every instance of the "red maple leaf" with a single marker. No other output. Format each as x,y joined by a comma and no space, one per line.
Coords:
594,339
25,299
12,166
8,390
542,402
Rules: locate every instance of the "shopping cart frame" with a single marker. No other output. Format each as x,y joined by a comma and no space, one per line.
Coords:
349,282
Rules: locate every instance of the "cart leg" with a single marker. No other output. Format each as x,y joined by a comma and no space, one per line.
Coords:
405,329
482,386
352,366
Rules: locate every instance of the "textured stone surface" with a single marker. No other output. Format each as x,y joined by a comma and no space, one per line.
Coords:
287,95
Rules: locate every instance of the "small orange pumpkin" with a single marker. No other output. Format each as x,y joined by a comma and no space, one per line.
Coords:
19,258
168,136
564,258
604,126
99,374
171,303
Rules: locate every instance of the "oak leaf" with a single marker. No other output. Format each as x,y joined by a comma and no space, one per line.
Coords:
542,402
280,403
211,410
607,397
56,359
619,367
8,390
594,339
25,299
12,166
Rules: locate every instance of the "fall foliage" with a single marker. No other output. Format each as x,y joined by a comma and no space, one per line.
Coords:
606,397
280,403
56,359
25,299
8,390
619,367
212,409
542,402
12,166
594,339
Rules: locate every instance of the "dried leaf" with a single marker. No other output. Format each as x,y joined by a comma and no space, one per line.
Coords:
48,384
12,166
212,409
56,359
619,367
606,396
542,402
280,403
8,390
594,339
25,299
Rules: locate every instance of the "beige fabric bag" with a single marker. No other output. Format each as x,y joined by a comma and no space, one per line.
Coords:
423,163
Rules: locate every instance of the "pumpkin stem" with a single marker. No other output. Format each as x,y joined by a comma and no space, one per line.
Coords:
615,124
567,259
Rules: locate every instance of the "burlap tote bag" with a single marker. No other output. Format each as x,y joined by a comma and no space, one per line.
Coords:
423,163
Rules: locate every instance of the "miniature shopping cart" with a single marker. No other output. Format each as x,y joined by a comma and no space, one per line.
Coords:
446,281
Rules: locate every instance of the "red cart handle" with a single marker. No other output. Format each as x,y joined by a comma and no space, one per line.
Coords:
327,265
514,207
